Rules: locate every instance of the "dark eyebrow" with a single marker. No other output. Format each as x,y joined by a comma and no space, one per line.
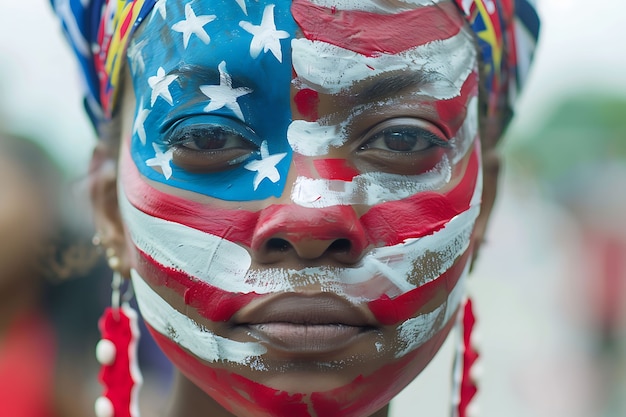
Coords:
388,85
198,74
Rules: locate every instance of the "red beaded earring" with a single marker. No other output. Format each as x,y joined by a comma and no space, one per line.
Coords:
117,354
465,369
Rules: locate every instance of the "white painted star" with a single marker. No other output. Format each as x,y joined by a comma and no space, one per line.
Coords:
224,95
161,160
265,36
160,6
242,4
193,25
266,166
160,84
135,55
138,126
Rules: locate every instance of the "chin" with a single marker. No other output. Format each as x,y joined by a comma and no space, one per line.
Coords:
313,388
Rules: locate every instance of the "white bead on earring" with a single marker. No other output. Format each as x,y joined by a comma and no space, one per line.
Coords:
112,259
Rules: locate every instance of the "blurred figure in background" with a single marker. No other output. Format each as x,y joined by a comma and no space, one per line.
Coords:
579,158
45,352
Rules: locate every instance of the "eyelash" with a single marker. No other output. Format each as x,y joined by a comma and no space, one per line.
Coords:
184,135
393,127
207,144
194,128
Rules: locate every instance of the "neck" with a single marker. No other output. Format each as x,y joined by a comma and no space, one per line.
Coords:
191,401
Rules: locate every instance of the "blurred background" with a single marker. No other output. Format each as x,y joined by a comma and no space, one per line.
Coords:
551,281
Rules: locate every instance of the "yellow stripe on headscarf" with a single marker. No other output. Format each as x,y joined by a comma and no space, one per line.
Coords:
124,19
490,36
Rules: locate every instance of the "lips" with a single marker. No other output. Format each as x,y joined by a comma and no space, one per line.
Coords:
306,323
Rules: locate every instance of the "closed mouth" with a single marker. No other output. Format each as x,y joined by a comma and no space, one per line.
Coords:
306,324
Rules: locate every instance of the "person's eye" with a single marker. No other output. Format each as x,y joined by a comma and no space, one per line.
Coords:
203,147
208,138
403,145
403,138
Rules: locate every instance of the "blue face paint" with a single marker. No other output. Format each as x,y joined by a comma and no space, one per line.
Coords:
208,72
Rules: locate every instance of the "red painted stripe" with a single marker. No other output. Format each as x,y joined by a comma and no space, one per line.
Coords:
244,396
218,305
399,309
240,395
307,101
421,214
335,169
211,302
378,388
372,34
385,224
453,112
233,225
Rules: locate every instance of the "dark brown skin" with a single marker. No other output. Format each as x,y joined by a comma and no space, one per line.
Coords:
187,399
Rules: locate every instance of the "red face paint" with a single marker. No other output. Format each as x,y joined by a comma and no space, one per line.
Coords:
370,34
395,258
244,396
307,101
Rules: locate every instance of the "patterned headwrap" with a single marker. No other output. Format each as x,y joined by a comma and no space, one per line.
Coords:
100,30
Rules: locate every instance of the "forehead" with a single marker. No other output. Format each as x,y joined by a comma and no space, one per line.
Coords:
329,45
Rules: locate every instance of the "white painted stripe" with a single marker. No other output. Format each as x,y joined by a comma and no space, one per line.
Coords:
388,270
313,138
416,331
204,344
464,139
180,247
369,189
375,6
391,270
318,138
330,69
458,293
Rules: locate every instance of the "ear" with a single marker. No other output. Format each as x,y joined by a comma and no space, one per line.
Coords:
491,171
107,217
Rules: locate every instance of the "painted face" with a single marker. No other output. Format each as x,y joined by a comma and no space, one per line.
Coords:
300,189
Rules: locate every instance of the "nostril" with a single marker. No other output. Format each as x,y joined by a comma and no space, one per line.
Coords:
277,245
340,246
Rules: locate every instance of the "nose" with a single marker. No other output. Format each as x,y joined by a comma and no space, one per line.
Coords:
286,231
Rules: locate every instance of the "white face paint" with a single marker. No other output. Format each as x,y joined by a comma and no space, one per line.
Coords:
330,69
313,138
368,189
206,345
200,268
225,265
203,343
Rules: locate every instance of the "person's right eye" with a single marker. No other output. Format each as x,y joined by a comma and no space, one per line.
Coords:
207,147
209,138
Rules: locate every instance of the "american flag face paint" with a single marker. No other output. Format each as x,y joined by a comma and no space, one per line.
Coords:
300,190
